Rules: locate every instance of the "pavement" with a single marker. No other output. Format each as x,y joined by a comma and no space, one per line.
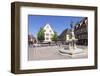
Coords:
52,53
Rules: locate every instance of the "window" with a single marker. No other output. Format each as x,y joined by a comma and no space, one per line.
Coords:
47,38
47,34
47,27
50,30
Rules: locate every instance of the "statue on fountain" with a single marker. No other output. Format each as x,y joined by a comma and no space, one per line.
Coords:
72,40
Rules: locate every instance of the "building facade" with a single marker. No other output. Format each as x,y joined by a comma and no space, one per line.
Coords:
31,39
81,32
48,33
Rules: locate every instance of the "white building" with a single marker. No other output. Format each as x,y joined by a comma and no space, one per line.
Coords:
48,33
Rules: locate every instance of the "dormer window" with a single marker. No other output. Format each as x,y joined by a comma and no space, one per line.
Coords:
47,26
50,30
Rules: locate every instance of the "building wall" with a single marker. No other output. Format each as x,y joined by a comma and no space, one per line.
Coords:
48,33
81,32
31,39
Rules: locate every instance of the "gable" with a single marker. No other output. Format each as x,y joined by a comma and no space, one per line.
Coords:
48,28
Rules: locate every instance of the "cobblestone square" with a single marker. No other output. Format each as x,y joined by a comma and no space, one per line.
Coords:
52,53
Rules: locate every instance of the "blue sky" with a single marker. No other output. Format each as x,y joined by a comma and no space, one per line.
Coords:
58,23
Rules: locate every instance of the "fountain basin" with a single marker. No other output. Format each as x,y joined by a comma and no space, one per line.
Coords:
72,52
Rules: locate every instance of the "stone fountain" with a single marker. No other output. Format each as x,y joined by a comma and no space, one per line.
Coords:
71,49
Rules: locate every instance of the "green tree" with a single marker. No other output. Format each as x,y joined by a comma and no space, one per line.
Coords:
54,37
40,35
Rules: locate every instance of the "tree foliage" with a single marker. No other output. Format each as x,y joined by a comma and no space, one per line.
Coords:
40,35
54,37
